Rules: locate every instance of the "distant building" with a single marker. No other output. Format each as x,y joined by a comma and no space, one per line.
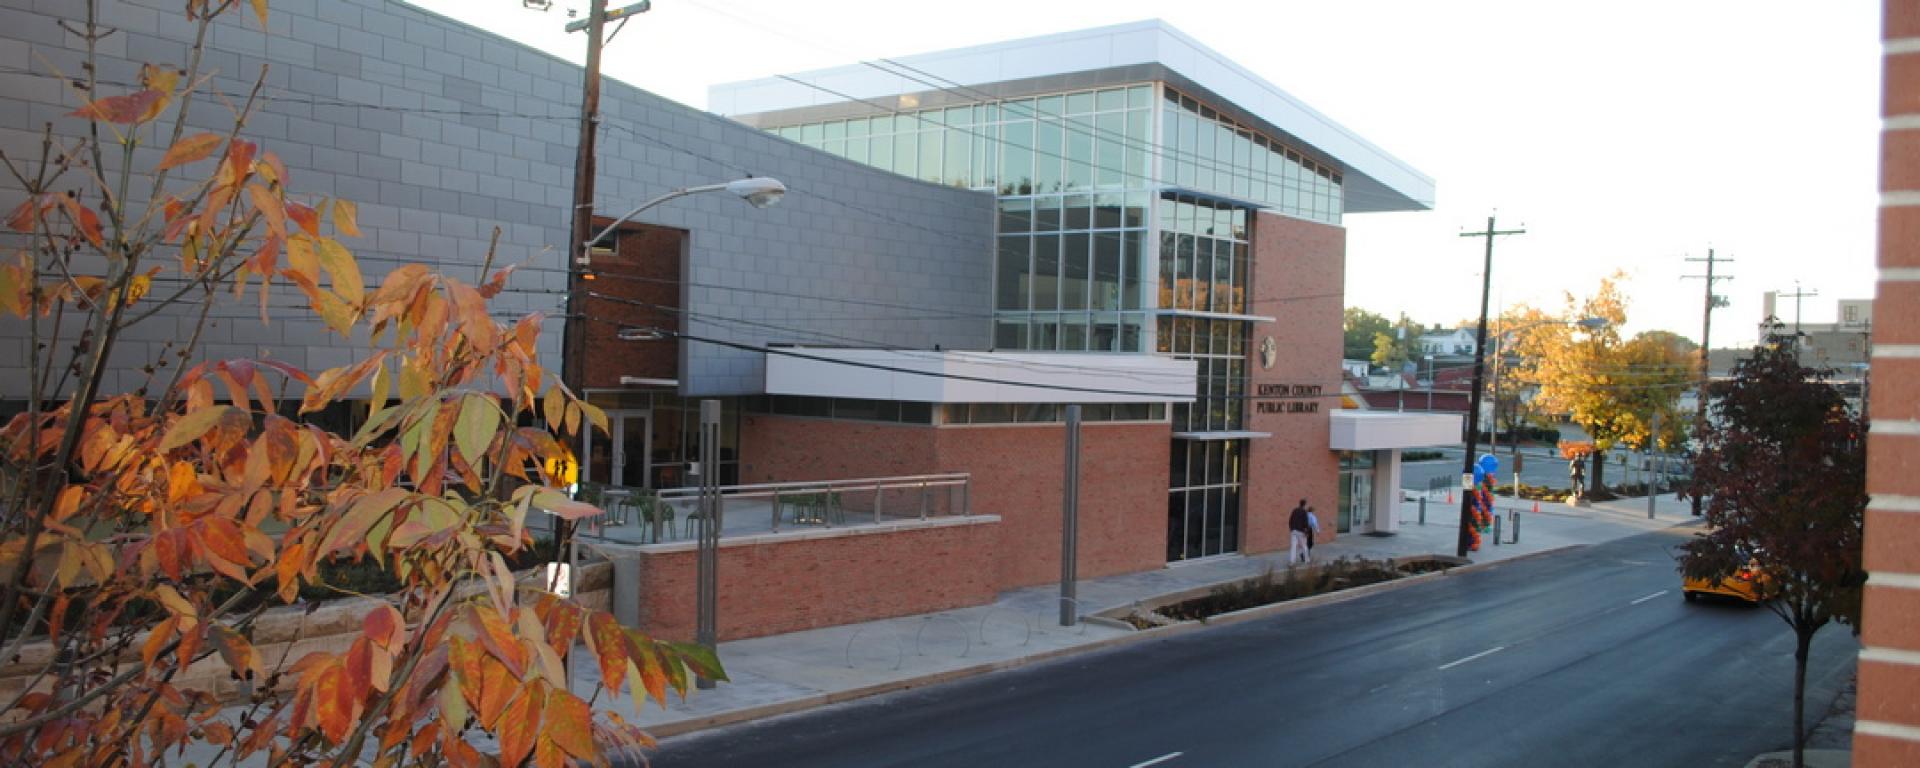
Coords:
1456,342
1844,344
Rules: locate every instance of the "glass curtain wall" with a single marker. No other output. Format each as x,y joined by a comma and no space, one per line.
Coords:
1073,173
1204,268
1209,152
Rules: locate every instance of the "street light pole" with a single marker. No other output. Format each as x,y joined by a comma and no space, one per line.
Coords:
1479,372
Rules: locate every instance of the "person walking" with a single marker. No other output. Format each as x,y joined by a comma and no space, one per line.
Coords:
1313,530
1297,526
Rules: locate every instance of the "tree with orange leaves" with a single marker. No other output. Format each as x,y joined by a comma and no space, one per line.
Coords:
143,532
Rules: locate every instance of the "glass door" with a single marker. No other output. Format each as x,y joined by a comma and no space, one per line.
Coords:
1360,499
622,458
1343,510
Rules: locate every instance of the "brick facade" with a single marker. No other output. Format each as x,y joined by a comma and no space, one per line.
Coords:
812,581
1299,275
1016,471
1887,729
642,274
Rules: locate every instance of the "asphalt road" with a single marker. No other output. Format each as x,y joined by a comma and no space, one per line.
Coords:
1583,658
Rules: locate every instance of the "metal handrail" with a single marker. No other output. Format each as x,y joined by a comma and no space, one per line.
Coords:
769,489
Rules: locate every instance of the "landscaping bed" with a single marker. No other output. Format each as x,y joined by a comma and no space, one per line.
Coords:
1274,587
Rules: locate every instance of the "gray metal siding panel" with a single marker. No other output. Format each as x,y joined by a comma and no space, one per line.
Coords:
446,135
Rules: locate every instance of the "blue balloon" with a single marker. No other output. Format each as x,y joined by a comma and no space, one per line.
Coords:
1487,464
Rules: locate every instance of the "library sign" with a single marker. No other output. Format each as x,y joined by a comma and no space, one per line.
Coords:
1288,398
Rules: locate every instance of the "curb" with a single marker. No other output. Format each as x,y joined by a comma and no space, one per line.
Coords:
747,714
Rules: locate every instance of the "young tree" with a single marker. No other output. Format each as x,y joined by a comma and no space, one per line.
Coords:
1783,470
145,529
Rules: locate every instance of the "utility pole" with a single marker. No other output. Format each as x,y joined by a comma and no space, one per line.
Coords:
573,366
1653,451
573,331
1797,295
1706,330
1479,371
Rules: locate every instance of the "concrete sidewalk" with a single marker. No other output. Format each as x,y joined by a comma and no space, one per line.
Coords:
792,672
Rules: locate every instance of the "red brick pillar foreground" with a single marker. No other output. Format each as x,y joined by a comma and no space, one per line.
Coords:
1887,731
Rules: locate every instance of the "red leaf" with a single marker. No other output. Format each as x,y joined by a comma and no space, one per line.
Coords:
166,550
333,703
498,639
238,165
385,627
119,109
560,618
306,218
84,219
23,216
223,538
190,149
359,669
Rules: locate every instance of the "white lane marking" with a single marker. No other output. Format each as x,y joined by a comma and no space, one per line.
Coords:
1487,652
1157,760
1648,597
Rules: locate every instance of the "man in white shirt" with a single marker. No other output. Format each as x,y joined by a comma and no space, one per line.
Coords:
1313,530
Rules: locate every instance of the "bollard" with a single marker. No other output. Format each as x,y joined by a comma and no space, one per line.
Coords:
1516,527
1496,530
1423,510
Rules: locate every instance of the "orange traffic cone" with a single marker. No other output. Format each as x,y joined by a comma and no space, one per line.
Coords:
1449,497
1536,507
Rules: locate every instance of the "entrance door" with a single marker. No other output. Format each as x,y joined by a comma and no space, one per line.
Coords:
1343,509
623,457
1360,500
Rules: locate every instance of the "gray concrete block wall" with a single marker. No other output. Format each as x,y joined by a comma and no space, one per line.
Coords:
440,132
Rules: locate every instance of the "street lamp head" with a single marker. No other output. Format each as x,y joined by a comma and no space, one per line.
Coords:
758,191
1593,323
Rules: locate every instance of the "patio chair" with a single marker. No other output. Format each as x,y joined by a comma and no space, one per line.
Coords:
803,508
832,512
692,518
655,514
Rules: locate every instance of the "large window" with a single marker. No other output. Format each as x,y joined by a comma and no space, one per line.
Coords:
1205,151
1072,171
1203,500
1204,268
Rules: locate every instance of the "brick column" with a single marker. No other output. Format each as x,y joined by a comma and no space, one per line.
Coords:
1887,732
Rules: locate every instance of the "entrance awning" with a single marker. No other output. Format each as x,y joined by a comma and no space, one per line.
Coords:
1354,430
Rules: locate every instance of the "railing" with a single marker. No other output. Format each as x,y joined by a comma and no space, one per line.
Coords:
832,502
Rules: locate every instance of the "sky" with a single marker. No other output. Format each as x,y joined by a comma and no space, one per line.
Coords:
1623,138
